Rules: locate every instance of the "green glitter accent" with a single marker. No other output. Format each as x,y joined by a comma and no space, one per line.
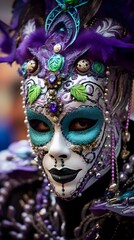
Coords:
98,67
79,92
34,92
55,62
73,2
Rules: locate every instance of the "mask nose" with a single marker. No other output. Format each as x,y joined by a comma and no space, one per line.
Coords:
58,147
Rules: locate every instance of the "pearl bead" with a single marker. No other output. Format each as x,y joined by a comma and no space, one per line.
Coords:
27,220
19,236
100,163
105,94
131,160
94,169
106,100
98,175
36,236
57,48
127,168
2,200
7,185
122,177
107,113
54,232
113,187
25,121
46,236
49,226
43,211
108,73
106,89
126,136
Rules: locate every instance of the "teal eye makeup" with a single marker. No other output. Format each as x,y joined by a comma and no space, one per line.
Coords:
40,128
83,125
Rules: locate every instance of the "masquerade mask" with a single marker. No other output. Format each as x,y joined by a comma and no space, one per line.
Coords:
73,95
68,98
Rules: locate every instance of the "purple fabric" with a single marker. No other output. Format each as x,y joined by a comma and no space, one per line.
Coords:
23,173
121,10
121,208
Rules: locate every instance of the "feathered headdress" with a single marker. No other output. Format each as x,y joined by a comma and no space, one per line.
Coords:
33,22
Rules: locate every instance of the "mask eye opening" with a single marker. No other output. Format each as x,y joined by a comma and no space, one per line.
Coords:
38,125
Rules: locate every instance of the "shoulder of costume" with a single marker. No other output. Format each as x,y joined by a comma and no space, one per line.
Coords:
17,167
122,203
17,162
18,174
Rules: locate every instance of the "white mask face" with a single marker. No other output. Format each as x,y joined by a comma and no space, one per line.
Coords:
77,147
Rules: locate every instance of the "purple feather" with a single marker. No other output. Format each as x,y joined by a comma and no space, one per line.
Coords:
35,40
17,10
7,44
6,41
109,50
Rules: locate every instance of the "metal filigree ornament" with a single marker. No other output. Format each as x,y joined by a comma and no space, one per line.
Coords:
54,105
69,7
56,61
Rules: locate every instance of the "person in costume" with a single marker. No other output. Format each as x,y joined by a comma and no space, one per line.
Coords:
75,180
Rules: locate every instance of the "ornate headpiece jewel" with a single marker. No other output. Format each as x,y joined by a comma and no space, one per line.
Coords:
69,7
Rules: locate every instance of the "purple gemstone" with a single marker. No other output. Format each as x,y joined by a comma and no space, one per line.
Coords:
53,107
52,78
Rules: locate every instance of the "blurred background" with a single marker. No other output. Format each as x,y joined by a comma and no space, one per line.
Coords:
12,127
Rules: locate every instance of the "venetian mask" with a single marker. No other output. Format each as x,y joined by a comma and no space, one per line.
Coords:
73,103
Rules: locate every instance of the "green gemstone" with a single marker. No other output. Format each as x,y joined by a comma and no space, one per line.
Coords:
73,2
98,67
55,62
64,7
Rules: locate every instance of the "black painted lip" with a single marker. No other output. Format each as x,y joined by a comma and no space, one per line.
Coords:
63,175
